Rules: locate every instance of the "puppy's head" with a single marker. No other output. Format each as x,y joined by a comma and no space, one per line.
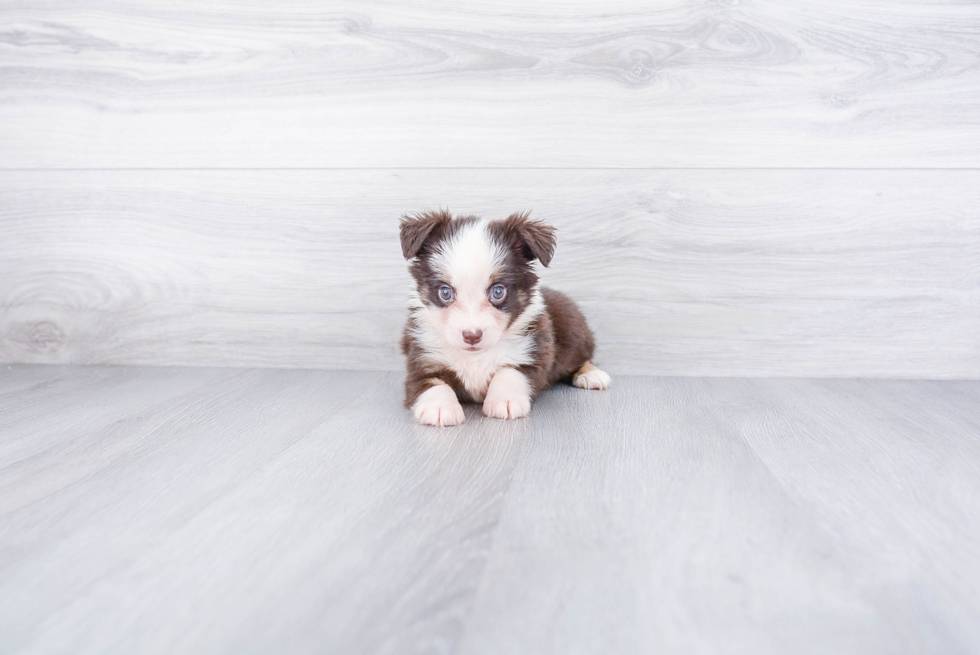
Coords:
474,277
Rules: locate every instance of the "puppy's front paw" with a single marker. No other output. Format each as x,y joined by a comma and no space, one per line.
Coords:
591,377
508,396
507,407
439,406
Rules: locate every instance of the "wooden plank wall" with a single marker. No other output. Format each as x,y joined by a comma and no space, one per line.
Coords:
741,188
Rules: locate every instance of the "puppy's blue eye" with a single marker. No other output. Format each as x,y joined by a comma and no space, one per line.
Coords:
498,292
445,293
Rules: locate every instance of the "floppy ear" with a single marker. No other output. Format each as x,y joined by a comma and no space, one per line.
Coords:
416,228
536,239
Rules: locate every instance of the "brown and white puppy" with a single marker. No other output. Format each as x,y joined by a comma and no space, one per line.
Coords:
480,328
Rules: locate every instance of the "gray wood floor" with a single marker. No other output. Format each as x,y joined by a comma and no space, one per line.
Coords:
182,510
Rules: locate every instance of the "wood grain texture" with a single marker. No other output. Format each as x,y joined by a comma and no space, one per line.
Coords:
254,511
838,457
740,516
188,510
874,83
724,272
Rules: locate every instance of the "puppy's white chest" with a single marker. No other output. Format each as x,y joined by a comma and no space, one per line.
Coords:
475,373
475,370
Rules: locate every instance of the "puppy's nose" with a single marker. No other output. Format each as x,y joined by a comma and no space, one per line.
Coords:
472,337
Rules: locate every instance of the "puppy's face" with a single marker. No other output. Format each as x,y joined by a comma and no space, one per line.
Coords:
474,277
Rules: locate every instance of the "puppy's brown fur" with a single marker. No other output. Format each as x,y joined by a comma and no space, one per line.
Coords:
563,340
548,323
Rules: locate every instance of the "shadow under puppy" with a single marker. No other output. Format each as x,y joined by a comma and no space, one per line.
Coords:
480,327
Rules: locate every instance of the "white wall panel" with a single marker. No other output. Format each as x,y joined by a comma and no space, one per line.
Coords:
711,272
685,83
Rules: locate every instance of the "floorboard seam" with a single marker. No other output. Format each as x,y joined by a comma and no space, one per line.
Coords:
504,504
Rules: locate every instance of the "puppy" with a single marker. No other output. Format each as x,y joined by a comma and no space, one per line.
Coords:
480,327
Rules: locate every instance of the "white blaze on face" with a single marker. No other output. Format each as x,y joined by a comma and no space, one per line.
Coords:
467,262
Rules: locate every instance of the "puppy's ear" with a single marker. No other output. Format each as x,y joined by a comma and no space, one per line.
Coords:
534,238
416,228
